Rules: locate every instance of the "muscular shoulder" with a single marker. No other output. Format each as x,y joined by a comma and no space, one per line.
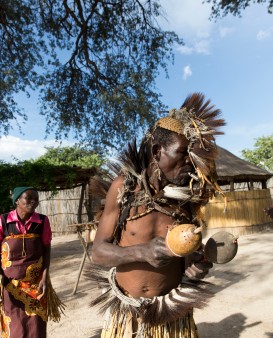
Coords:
114,190
109,216
118,182
116,185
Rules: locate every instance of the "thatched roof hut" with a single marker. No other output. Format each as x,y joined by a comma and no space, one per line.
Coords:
240,210
232,169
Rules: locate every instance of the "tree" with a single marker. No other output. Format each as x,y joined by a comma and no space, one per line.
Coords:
58,168
262,155
224,7
71,156
94,63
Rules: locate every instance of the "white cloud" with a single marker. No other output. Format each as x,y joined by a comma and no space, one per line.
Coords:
185,50
188,18
198,47
12,148
202,47
225,31
187,72
262,35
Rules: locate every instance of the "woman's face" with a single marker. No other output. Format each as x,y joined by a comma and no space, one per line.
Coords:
174,161
28,201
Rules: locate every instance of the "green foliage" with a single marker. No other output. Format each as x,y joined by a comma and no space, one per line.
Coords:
71,156
94,64
23,174
224,7
20,53
262,155
43,173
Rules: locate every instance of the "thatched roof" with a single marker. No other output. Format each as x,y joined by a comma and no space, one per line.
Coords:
232,168
66,178
80,176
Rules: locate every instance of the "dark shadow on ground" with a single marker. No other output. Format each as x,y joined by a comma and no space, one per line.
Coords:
230,327
227,279
96,334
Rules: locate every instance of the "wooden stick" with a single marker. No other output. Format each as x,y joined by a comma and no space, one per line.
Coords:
86,254
79,274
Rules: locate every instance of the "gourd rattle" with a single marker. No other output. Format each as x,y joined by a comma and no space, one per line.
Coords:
184,239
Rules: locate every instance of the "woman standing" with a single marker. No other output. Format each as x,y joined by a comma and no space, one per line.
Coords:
25,238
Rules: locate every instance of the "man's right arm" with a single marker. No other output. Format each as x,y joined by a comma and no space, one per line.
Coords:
105,253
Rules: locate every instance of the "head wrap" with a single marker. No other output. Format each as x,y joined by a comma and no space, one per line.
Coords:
17,192
170,123
196,119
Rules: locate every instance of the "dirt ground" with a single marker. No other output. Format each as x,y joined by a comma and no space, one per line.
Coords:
242,307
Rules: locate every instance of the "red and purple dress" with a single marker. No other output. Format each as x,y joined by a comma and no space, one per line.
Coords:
22,252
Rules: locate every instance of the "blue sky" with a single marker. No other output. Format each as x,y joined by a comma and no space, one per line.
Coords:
229,60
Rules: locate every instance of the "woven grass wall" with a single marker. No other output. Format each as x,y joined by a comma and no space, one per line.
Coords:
62,208
243,209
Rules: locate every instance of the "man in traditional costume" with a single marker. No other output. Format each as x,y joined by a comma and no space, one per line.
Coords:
150,292
25,238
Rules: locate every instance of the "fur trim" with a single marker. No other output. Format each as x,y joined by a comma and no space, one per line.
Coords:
154,311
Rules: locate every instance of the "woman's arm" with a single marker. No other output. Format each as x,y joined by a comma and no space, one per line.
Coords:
45,270
46,242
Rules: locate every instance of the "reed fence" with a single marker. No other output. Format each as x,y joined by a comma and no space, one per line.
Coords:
70,206
238,209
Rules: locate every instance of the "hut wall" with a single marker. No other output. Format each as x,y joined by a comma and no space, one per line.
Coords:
62,208
243,212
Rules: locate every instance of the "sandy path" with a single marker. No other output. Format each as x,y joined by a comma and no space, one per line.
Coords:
242,307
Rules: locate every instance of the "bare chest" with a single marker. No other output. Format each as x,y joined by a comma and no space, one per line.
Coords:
146,226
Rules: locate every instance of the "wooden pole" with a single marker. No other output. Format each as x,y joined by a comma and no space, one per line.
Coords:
81,203
85,254
79,274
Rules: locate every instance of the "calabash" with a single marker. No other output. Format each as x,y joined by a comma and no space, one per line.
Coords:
183,239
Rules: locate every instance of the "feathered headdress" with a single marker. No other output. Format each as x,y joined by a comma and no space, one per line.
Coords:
199,122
